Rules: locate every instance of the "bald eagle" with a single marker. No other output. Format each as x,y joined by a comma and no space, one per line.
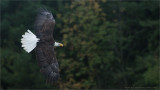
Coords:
43,43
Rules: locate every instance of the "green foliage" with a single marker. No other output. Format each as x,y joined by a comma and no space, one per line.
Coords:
107,45
103,52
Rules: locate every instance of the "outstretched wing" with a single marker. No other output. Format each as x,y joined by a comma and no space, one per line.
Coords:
45,55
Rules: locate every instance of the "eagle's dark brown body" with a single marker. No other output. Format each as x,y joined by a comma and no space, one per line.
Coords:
45,54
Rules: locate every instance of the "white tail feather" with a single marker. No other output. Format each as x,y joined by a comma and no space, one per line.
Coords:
29,41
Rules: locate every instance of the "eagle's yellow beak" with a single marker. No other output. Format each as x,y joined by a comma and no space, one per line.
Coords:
61,45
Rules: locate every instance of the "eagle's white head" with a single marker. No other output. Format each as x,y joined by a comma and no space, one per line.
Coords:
56,44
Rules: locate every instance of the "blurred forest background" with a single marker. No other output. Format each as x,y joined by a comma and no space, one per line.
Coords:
108,44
